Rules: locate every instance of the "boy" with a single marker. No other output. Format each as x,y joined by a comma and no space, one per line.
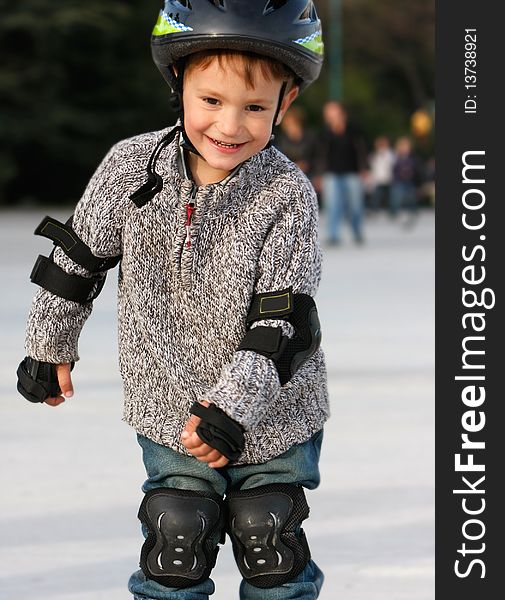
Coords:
224,379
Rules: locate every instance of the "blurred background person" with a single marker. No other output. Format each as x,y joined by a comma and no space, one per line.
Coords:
381,162
427,190
406,178
342,162
296,141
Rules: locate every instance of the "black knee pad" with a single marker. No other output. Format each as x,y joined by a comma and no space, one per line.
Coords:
269,545
183,530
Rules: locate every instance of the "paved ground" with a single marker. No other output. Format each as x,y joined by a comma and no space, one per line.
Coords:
71,476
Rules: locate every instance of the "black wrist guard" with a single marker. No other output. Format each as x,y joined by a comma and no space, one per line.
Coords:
37,380
219,430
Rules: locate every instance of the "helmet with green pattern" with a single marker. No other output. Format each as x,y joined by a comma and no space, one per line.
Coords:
286,30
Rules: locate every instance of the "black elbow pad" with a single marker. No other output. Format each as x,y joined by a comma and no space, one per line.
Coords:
53,278
62,235
288,354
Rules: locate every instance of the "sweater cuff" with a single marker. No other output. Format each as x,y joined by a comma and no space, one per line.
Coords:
248,386
53,328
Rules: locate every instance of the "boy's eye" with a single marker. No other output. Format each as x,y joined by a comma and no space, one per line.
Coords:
212,101
255,108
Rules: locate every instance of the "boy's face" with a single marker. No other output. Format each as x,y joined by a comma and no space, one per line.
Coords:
227,122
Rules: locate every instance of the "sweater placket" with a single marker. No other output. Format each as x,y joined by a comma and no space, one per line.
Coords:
188,232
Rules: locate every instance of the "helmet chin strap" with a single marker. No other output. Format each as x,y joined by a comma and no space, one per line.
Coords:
277,111
175,101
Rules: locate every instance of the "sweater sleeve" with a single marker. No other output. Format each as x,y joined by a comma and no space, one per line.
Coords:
291,257
54,324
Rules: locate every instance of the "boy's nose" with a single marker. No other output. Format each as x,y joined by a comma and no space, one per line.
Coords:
230,124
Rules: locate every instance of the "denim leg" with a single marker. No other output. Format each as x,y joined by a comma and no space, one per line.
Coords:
147,589
167,468
306,586
299,465
355,197
333,202
380,197
396,199
376,197
410,198
387,196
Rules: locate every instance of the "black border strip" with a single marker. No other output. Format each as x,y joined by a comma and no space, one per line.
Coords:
475,540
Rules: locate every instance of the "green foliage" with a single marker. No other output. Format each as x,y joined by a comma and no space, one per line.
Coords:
387,51
78,76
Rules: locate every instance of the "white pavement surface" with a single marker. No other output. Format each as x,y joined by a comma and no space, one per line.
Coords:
71,475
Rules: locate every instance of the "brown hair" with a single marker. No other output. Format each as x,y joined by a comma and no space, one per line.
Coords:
245,64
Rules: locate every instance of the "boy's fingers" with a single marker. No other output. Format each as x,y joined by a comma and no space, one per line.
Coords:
65,380
210,456
196,445
54,401
193,422
191,426
202,451
221,462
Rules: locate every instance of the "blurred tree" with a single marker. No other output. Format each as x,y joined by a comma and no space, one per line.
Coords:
388,61
74,78
398,40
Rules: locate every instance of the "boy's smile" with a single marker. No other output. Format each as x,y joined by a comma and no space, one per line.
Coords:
225,120
227,147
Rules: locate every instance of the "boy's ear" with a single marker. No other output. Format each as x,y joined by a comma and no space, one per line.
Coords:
288,99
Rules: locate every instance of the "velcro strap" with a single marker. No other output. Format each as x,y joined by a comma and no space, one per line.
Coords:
65,237
71,287
271,305
267,341
219,430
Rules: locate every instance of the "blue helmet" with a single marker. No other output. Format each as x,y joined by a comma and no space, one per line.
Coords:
286,30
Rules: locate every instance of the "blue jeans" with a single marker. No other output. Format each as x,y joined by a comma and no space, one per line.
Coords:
381,197
403,196
343,196
167,468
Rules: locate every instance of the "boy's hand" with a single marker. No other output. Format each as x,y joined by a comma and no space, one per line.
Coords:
65,383
198,448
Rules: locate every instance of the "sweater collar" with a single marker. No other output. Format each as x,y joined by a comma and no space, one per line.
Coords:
226,195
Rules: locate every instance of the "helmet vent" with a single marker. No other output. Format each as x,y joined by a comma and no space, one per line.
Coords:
273,5
309,13
218,4
185,4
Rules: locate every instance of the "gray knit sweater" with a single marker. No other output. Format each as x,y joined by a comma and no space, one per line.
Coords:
182,309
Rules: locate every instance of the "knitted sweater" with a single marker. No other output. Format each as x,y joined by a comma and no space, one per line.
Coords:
182,309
